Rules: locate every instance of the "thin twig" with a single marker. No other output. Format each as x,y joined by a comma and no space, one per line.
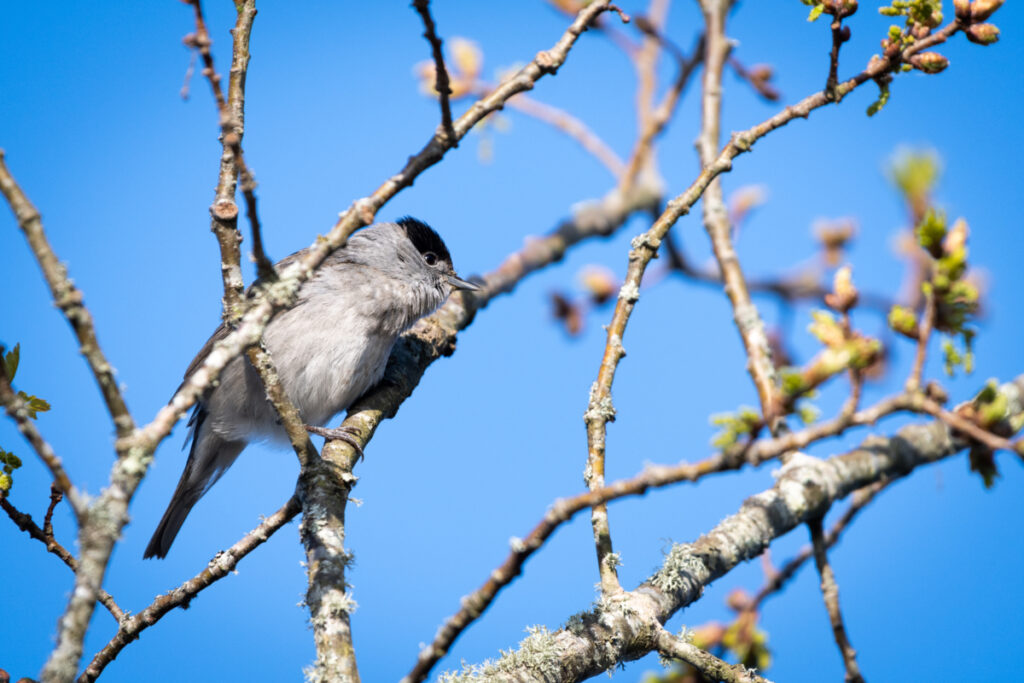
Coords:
840,34
224,210
710,666
967,427
788,287
442,86
653,121
68,299
568,124
923,337
46,537
222,564
716,222
757,81
830,593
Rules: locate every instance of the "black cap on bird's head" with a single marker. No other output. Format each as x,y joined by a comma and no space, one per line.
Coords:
430,245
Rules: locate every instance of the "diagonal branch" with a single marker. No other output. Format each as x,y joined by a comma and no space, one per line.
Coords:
46,537
442,86
716,220
571,126
224,211
779,578
220,566
68,299
830,593
710,666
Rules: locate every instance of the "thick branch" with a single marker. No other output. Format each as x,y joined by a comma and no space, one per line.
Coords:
624,627
653,476
779,578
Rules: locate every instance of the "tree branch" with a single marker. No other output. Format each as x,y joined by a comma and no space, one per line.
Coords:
830,593
716,221
442,85
778,579
224,211
711,667
68,299
622,627
653,476
222,564
46,537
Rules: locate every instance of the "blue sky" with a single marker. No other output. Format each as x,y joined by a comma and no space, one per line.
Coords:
123,172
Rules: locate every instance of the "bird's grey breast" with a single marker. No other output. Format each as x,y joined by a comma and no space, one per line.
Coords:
329,351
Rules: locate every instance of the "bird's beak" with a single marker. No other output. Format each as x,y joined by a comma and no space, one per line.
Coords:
459,283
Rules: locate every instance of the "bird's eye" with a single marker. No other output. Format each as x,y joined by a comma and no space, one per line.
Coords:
431,258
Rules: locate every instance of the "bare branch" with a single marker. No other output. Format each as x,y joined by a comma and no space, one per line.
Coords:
224,211
653,476
222,564
716,221
442,85
46,537
622,627
658,118
68,298
571,126
830,593
861,499
710,666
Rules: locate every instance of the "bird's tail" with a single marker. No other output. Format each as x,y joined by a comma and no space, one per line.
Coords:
208,458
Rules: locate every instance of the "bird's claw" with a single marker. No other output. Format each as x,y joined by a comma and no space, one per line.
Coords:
346,434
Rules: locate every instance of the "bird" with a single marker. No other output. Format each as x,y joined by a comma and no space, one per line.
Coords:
329,349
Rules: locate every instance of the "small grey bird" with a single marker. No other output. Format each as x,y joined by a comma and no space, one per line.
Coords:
329,349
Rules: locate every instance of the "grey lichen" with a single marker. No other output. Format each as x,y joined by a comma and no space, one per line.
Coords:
536,658
681,569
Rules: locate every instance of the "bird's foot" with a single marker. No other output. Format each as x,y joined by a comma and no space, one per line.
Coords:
346,434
